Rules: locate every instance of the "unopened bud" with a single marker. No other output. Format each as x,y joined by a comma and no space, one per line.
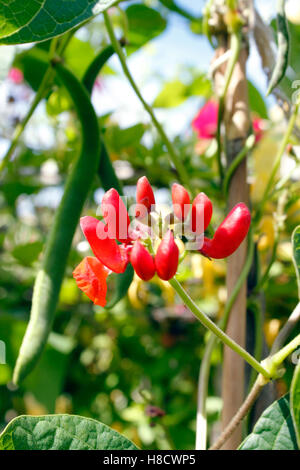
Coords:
166,258
142,262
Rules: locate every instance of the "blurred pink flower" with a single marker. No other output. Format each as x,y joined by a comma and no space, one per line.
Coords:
16,75
205,123
99,84
258,128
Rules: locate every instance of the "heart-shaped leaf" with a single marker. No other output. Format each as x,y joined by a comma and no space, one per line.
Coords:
296,254
31,21
61,432
295,401
274,430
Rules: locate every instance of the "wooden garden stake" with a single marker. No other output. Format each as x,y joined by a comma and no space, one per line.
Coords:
236,125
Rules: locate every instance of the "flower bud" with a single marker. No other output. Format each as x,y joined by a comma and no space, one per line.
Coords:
229,235
142,262
144,195
115,215
167,257
201,213
181,201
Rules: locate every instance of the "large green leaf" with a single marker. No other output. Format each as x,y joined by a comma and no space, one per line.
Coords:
296,254
37,20
295,401
144,24
61,432
274,429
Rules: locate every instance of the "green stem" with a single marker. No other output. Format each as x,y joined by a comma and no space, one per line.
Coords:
235,47
216,330
273,362
265,276
276,165
201,428
286,330
258,348
41,93
172,152
236,162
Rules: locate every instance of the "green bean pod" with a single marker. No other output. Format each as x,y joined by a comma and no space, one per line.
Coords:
95,67
106,171
283,41
50,276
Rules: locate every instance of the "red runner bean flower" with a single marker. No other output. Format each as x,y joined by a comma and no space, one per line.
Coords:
118,241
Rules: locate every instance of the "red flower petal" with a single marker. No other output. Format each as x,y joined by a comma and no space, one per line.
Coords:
142,262
167,256
229,235
107,250
90,276
181,201
144,196
201,213
115,215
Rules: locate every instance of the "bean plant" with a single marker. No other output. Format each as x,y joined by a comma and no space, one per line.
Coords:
127,323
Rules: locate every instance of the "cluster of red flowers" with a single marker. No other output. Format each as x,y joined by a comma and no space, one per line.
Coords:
116,243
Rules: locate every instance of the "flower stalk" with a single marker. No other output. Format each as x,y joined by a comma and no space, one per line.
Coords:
210,325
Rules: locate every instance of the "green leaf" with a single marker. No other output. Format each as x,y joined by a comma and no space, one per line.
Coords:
295,401
296,254
173,94
176,92
256,101
274,429
37,20
144,24
172,5
33,62
27,253
61,432
200,86
119,139
78,56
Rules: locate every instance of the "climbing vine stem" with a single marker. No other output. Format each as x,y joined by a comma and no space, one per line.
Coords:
235,47
55,49
175,158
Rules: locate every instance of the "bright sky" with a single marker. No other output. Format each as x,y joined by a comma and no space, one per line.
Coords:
164,56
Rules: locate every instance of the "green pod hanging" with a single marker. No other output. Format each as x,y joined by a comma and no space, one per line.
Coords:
50,275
